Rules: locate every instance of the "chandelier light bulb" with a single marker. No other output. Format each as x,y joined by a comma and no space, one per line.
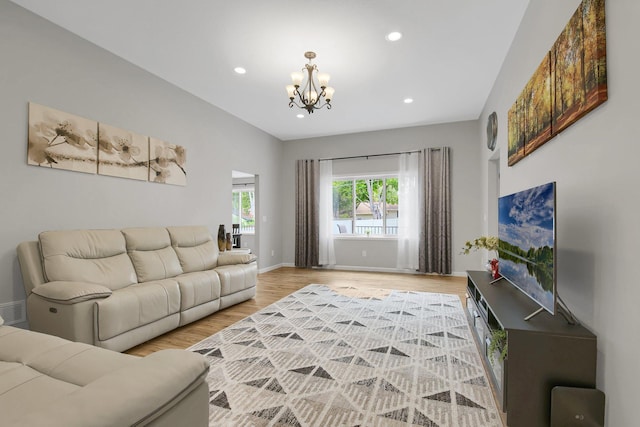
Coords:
328,93
311,96
296,78
291,91
323,78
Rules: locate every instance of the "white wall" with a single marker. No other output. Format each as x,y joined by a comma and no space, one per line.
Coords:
48,65
595,165
465,186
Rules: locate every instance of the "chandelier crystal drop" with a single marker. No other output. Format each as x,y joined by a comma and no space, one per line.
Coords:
309,97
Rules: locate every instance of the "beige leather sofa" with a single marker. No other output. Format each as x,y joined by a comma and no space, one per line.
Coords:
118,288
49,381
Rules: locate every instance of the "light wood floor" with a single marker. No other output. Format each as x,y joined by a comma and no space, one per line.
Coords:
279,283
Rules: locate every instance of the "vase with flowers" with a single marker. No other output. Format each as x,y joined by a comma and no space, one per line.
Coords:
489,243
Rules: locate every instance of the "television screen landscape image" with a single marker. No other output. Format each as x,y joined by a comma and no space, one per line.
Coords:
526,231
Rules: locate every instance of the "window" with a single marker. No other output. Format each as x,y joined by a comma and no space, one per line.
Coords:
365,206
243,210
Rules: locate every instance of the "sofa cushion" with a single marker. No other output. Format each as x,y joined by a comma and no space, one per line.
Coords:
151,253
229,258
235,278
19,384
92,256
134,395
71,362
198,288
136,305
71,292
195,248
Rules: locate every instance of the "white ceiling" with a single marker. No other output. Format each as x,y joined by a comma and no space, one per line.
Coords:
447,60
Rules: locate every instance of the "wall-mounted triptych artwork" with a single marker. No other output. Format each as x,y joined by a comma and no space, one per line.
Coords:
167,162
60,140
122,153
570,81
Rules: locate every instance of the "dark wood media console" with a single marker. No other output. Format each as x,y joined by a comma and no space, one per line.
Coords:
543,352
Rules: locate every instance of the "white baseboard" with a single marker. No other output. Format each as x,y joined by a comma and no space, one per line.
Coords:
270,268
368,269
387,270
358,268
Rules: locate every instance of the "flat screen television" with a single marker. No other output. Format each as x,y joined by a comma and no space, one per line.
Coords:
527,243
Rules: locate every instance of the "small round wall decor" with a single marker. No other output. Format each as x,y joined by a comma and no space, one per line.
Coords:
492,130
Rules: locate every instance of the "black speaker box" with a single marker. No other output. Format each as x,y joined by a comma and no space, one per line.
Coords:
577,407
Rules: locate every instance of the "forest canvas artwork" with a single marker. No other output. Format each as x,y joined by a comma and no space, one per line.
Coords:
122,153
570,82
578,65
167,162
60,140
530,117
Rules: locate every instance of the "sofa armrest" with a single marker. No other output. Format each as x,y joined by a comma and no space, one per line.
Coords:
30,265
135,394
227,258
64,292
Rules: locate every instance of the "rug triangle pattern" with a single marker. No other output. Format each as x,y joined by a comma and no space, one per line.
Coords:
319,357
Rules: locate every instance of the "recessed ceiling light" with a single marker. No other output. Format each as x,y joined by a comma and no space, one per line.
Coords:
300,116
408,100
394,36
240,70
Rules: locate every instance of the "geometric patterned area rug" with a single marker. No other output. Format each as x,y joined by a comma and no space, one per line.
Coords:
322,357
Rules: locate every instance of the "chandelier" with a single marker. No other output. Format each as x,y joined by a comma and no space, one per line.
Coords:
308,97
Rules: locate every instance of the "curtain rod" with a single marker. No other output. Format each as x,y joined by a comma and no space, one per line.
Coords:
375,155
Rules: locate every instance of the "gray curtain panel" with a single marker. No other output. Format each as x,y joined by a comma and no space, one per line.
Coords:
435,211
307,213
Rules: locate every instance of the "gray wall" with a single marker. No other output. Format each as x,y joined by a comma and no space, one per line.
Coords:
48,65
381,254
595,165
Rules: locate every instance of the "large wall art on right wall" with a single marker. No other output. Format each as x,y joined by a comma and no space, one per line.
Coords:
570,81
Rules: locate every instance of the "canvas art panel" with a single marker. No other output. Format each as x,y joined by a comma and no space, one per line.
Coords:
167,162
122,153
530,116
579,65
516,131
570,82
60,140
538,105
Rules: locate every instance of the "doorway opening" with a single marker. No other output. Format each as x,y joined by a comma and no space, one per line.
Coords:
245,210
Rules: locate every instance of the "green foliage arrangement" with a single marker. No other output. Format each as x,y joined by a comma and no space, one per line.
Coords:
498,344
489,243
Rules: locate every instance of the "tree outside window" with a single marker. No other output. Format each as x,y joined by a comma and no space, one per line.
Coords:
243,210
365,206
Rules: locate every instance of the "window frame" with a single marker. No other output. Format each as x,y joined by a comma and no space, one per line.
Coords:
353,178
244,189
